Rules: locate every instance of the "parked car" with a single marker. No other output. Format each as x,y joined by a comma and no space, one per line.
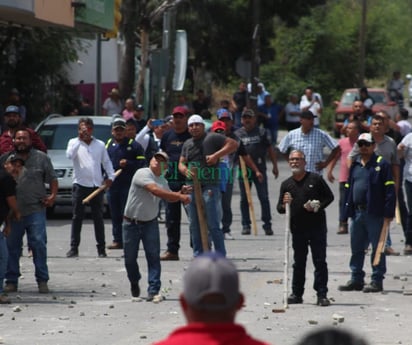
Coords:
344,106
55,131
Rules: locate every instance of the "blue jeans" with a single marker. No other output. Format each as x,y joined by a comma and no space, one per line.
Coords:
35,226
117,197
96,204
4,254
148,233
211,200
365,228
262,192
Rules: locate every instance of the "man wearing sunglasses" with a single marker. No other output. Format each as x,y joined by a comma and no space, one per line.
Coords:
385,146
370,200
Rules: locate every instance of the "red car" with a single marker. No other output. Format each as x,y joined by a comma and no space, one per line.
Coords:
344,106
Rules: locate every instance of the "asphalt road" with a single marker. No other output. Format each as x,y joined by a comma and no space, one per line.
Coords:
90,302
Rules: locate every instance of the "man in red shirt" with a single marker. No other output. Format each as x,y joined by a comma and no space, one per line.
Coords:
13,121
210,301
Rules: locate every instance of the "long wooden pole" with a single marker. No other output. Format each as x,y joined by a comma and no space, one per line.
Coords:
382,240
200,207
286,259
99,190
248,194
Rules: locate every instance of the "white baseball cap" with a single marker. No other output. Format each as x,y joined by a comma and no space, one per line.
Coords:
195,119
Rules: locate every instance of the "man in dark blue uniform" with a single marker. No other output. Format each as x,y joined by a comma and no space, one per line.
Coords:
370,200
128,155
172,143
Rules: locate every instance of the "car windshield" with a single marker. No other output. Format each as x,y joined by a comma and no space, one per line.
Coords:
378,97
56,137
349,97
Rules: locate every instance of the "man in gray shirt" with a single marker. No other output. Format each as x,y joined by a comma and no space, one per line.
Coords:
140,222
32,200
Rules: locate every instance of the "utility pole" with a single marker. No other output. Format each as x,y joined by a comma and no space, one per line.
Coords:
98,84
252,102
362,44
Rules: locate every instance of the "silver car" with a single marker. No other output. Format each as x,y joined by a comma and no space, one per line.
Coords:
55,131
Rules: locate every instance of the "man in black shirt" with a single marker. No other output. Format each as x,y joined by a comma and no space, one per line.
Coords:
258,144
7,202
308,196
204,151
172,143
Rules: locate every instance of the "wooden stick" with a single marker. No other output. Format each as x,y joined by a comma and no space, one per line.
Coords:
286,262
248,194
98,190
200,207
397,214
382,240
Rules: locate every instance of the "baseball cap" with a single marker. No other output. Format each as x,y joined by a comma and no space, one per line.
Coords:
218,125
366,137
140,107
179,110
248,112
12,109
223,113
162,154
119,123
195,119
211,274
307,115
14,158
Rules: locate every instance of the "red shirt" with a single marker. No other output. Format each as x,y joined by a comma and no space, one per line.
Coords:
6,142
210,334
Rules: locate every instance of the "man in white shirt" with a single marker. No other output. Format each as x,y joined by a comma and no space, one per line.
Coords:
89,155
312,102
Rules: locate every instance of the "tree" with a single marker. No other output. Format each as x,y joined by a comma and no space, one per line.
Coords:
323,50
32,61
139,19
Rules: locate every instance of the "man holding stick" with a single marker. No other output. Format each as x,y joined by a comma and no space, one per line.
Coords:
370,201
140,222
258,144
89,155
308,195
203,151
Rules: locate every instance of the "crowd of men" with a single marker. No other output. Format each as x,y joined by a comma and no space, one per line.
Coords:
179,161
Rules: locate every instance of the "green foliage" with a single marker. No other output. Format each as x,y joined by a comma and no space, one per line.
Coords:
323,49
32,61
220,31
